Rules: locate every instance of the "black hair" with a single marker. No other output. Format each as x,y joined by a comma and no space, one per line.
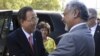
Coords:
22,13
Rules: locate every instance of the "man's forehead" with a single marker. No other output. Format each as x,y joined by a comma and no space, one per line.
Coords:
31,14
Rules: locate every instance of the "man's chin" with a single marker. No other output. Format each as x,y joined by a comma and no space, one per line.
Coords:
66,27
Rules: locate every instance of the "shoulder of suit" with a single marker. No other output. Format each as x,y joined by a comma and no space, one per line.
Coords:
98,24
65,34
14,33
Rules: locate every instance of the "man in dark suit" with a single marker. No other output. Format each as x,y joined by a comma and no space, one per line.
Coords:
26,40
95,29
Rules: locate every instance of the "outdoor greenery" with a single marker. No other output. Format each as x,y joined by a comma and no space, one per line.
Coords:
36,4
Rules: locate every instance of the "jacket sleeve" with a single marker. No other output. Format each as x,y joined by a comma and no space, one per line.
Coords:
41,51
65,47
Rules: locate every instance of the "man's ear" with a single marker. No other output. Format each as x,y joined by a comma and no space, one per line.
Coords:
76,13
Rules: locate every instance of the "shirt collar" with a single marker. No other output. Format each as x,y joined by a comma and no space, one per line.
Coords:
26,34
94,27
77,25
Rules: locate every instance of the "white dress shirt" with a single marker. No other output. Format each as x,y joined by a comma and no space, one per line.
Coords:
93,29
77,25
27,34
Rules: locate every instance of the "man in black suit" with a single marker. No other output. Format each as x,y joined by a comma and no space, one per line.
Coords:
95,29
26,40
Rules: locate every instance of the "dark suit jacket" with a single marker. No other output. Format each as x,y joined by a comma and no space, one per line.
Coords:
97,41
18,45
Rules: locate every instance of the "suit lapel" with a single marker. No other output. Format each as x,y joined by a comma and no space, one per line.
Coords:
97,31
35,46
22,40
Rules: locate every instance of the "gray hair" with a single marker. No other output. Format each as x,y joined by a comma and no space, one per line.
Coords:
75,5
92,13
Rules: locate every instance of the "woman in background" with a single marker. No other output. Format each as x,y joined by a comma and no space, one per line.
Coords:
49,43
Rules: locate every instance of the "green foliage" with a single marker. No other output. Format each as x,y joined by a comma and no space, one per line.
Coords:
36,4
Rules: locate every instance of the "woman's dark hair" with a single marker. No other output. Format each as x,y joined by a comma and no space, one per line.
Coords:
45,25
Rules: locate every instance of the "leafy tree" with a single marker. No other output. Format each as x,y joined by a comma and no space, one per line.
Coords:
46,4
36,4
